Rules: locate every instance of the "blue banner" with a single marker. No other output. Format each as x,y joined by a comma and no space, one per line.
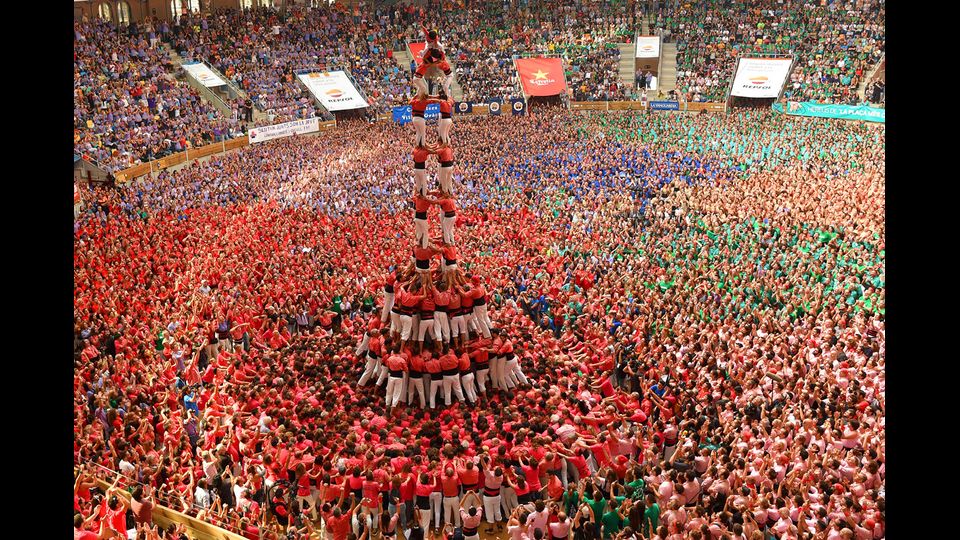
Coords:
432,112
463,107
518,105
841,112
665,105
403,114
495,106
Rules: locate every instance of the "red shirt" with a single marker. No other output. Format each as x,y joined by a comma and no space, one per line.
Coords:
340,526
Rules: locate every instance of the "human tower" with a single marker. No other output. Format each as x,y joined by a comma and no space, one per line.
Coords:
438,301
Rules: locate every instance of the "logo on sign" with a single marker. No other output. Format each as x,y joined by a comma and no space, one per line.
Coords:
759,79
334,93
646,48
518,106
494,106
462,107
540,78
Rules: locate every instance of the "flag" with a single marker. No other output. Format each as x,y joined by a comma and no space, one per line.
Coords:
494,104
416,51
403,114
541,76
463,107
518,105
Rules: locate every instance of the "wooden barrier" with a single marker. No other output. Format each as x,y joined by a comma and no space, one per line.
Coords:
626,105
330,124
171,160
588,105
132,172
205,151
163,517
694,106
481,109
237,143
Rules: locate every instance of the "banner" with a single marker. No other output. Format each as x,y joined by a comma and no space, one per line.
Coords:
760,77
203,74
518,105
665,105
286,129
416,51
841,112
334,90
648,47
403,114
494,105
432,112
463,107
541,76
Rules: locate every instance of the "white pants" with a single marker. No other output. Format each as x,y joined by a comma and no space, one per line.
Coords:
482,314
421,231
388,299
369,371
309,500
425,519
514,373
436,503
443,324
446,225
469,389
416,386
395,323
446,179
406,327
364,345
491,509
451,508
428,326
481,380
451,384
394,391
420,84
443,129
480,321
458,326
420,131
496,369
382,372
435,386
420,181
508,500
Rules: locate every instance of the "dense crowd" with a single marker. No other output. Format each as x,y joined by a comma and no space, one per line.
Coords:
697,301
129,107
835,43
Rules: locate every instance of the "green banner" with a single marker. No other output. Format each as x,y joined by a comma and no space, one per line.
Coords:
842,112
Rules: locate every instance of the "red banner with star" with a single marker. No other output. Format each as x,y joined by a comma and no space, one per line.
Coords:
541,76
416,51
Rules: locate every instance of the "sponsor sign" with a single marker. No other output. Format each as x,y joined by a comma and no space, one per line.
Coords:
760,77
841,112
541,76
286,129
519,106
334,90
494,105
665,105
463,107
648,47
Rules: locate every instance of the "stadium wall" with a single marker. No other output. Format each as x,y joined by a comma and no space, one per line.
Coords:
163,8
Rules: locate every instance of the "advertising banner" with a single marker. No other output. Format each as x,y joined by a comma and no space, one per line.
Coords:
334,90
541,76
416,51
760,77
494,105
403,114
841,112
463,107
665,105
203,74
648,47
286,129
519,106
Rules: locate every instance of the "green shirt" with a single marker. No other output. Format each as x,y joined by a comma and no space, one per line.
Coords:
612,523
651,516
598,506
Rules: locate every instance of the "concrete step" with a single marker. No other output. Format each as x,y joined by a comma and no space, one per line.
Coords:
668,67
628,64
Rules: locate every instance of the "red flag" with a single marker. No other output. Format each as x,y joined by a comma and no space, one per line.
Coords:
541,76
416,49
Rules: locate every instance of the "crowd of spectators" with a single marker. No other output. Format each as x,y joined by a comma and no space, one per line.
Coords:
698,301
835,43
129,107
